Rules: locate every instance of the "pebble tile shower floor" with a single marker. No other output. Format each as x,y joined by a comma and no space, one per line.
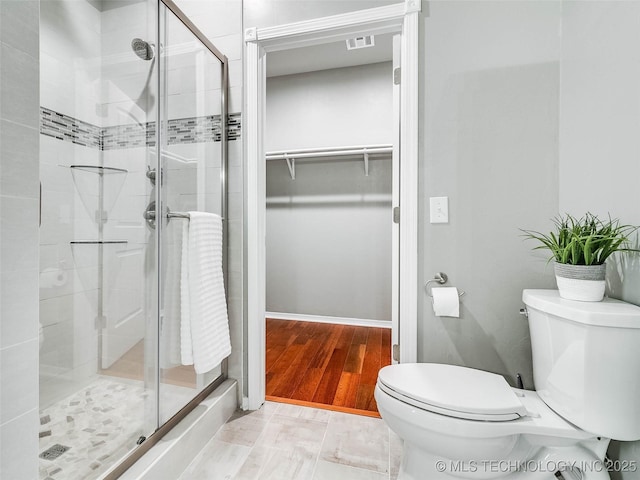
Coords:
98,424
291,442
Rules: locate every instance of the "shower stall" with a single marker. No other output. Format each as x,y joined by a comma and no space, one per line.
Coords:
133,136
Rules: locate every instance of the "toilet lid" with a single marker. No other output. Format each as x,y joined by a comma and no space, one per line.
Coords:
451,390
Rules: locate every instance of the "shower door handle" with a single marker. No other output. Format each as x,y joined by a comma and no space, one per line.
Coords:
150,214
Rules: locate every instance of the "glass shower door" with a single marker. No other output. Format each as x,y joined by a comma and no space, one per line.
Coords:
192,152
98,281
132,123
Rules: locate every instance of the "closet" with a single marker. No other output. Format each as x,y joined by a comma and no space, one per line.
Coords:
329,141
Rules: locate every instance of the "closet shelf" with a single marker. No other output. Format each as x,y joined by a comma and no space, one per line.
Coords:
290,156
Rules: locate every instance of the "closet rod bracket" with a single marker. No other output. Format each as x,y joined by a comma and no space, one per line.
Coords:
291,163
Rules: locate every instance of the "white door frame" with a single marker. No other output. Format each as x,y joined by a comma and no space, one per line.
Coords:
399,18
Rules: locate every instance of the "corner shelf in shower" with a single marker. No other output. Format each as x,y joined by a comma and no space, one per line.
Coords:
98,187
98,170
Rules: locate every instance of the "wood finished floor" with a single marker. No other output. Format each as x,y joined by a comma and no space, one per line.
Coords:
131,366
319,364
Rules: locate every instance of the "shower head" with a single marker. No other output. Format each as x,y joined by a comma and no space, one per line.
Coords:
142,49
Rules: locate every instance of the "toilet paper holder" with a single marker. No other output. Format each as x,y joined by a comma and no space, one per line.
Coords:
441,278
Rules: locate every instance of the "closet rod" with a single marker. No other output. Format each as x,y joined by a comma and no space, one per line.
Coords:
328,152
292,155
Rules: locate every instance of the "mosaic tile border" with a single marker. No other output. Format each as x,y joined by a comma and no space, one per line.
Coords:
129,136
69,129
234,126
180,131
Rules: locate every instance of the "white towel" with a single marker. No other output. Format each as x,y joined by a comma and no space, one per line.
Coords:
204,330
170,347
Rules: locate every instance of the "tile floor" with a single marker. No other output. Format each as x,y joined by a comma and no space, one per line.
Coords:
100,423
289,442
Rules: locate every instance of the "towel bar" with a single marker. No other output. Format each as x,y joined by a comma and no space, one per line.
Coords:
181,215
150,215
177,214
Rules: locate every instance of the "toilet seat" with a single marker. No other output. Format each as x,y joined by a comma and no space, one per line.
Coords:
451,390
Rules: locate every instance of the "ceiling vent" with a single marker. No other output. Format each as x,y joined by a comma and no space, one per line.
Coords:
360,42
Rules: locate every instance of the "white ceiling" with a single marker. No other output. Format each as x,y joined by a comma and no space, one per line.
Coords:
328,56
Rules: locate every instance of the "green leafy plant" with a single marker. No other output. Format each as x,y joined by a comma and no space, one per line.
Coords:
584,241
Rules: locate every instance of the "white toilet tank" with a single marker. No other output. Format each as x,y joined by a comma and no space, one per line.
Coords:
586,361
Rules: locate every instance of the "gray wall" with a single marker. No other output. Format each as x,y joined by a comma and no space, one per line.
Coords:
600,135
489,125
329,230
491,101
328,108
19,132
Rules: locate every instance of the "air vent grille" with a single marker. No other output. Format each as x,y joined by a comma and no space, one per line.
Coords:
360,42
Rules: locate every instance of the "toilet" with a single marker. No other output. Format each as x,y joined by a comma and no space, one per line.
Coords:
459,422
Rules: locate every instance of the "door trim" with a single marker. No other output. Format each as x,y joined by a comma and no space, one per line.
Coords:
399,18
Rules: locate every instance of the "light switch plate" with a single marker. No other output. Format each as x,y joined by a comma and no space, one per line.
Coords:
439,209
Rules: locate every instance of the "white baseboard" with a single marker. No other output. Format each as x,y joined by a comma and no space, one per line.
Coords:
358,322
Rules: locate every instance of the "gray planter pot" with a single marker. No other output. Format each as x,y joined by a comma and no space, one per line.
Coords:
584,283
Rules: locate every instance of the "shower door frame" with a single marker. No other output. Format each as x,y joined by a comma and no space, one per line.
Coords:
401,19
166,427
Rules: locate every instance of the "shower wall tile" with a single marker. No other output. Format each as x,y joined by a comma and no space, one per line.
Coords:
19,80
19,453
124,18
220,17
235,73
135,160
235,99
81,18
18,223
19,25
16,316
58,178
230,45
53,92
235,248
56,354
19,138
70,32
18,368
236,204
235,179
16,176
55,310
184,104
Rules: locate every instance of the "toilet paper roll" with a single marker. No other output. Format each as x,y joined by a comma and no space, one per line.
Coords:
446,301
53,277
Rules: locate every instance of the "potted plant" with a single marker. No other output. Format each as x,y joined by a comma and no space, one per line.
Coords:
580,247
